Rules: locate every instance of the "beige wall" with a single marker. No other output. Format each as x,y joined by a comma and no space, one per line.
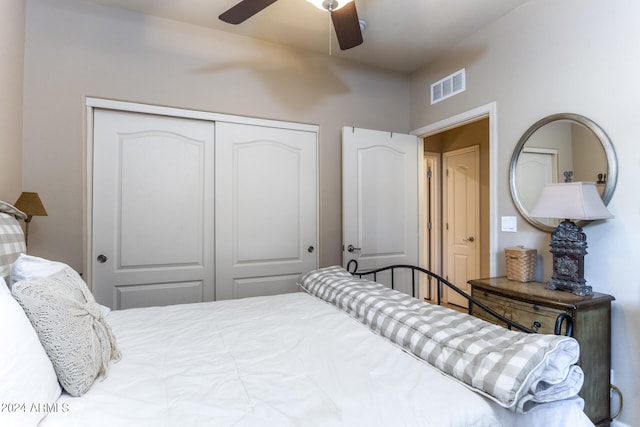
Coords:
548,57
74,50
12,16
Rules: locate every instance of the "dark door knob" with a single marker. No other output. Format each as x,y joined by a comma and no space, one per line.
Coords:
101,259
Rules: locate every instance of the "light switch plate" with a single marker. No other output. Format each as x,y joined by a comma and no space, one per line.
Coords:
510,224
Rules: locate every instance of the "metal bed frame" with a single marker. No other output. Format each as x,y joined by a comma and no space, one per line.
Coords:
352,267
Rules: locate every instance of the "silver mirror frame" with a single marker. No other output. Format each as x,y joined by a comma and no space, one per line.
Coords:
610,154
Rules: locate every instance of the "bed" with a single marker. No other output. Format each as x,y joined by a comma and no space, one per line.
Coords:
345,351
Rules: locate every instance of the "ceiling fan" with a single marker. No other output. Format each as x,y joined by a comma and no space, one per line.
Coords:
343,15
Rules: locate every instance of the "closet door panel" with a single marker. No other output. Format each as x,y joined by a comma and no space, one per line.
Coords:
266,209
160,175
267,193
152,228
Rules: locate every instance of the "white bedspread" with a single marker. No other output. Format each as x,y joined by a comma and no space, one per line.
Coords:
286,360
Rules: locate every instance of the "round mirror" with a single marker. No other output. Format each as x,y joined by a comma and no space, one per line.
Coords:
560,148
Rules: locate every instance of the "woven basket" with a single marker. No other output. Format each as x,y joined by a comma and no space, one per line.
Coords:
521,263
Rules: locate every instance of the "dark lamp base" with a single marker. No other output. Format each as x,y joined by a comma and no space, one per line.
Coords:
575,288
569,246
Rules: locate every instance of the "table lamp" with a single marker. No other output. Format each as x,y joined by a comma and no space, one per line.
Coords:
569,201
30,204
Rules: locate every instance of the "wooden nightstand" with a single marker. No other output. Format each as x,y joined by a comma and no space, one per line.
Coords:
533,306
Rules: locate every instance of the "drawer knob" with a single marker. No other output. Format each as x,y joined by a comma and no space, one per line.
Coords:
536,325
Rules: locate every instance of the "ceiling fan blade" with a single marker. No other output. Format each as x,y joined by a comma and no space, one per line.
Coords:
347,26
244,10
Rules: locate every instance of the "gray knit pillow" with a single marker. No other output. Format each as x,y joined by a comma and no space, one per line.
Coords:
70,326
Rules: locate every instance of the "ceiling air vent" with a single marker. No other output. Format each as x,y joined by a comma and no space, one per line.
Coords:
449,86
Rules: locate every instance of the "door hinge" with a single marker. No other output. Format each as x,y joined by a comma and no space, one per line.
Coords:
429,174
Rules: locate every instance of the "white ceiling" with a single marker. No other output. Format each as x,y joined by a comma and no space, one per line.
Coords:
401,35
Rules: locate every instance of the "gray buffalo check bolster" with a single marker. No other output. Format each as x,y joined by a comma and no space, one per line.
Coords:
11,243
517,370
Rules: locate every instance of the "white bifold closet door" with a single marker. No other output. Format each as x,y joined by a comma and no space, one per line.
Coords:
187,210
152,237
266,209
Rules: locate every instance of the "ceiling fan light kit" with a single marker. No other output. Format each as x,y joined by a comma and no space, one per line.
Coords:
329,5
344,16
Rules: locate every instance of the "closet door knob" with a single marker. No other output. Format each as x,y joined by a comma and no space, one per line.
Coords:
101,259
310,249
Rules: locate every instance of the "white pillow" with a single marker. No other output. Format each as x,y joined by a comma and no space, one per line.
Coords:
71,327
29,267
27,378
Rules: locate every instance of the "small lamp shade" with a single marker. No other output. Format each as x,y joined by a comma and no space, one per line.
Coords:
570,200
30,204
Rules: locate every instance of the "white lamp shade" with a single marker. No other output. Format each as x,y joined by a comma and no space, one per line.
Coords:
570,200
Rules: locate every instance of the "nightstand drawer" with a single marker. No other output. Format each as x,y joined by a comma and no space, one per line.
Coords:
538,317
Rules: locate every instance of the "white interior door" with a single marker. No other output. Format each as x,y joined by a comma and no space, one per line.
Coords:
536,168
266,209
152,234
462,225
380,199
